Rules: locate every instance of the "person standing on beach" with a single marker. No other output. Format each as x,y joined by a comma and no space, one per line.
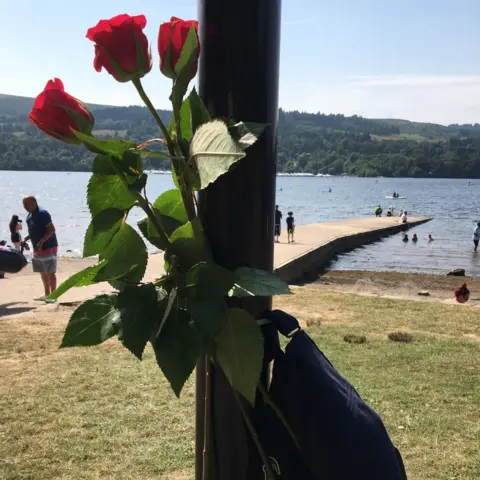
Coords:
41,233
290,227
278,223
15,226
476,237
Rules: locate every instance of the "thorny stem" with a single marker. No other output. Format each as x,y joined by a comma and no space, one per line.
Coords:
138,85
174,150
152,217
251,428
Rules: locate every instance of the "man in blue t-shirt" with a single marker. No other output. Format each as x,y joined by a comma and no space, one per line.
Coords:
41,232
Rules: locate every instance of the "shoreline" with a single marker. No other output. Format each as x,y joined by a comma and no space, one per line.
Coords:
398,285
18,290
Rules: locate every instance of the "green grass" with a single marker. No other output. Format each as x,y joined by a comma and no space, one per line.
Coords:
99,413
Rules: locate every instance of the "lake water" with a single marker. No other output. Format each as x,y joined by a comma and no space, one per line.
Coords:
454,205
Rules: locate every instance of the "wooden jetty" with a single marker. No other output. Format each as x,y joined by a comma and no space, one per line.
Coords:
316,244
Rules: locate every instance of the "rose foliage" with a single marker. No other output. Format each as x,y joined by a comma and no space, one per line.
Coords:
188,311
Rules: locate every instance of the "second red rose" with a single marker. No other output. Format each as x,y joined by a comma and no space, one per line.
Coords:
171,39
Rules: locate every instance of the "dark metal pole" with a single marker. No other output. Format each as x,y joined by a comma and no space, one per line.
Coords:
238,78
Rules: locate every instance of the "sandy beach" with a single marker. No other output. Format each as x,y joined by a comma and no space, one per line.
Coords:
18,290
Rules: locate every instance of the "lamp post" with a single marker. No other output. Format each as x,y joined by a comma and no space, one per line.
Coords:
238,79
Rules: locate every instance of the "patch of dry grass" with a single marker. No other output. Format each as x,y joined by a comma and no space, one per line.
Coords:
99,413
87,413
427,391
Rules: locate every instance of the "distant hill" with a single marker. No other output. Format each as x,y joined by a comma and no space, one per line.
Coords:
308,142
14,105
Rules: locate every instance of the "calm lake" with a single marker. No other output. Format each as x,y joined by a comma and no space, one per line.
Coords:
454,204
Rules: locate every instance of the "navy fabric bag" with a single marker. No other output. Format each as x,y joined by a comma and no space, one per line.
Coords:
340,437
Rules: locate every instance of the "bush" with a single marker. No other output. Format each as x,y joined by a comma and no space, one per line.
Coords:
400,337
351,338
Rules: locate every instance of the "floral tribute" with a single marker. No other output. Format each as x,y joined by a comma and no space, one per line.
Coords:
186,312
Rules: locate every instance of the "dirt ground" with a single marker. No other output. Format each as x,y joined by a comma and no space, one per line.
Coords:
398,285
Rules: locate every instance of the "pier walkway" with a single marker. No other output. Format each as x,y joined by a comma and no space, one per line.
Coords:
317,243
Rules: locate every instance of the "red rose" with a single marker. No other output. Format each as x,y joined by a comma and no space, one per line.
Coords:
171,39
56,113
121,47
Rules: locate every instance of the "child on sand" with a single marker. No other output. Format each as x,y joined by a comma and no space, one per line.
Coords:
290,227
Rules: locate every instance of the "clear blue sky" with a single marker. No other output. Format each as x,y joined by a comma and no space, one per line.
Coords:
413,59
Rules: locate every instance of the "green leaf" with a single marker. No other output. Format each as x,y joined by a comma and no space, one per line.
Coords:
246,133
208,316
108,191
103,165
171,297
154,153
138,184
126,257
131,165
206,281
170,211
85,126
239,352
139,312
253,282
115,148
190,245
177,349
184,69
153,237
189,50
131,314
101,230
199,112
185,123
93,322
193,113
82,278
124,260
214,151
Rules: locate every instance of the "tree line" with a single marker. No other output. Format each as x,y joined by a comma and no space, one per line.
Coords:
307,143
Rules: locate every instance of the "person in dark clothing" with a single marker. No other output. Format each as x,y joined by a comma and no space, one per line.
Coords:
290,227
278,223
15,229
42,235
